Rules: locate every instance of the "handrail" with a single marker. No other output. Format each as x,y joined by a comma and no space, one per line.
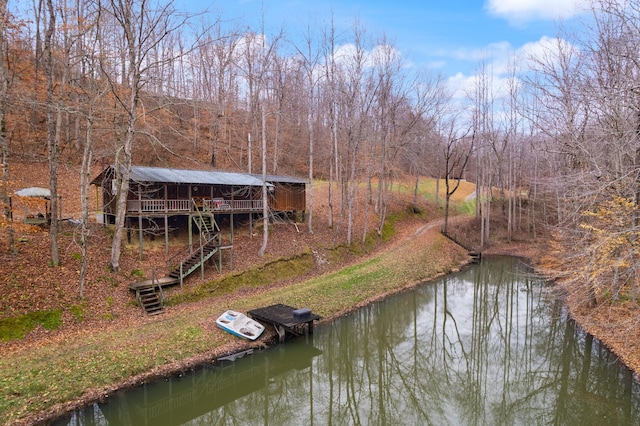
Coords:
184,257
154,282
217,205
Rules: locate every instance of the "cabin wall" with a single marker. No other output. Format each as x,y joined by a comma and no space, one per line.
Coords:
288,198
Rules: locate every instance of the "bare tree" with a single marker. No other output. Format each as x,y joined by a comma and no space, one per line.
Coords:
5,19
331,89
92,91
458,147
53,132
258,58
142,27
310,60
358,91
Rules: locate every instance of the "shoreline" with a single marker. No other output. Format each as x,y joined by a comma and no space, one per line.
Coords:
269,340
101,394
421,244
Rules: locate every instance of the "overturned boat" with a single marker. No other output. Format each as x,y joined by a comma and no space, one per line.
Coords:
240,325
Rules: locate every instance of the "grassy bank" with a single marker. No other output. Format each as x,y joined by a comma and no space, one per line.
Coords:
40,378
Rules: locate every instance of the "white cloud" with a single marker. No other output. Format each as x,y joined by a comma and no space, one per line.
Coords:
519,11
381,53
463,86
545,52
487,53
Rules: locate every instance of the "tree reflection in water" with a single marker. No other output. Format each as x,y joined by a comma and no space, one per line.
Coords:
484,346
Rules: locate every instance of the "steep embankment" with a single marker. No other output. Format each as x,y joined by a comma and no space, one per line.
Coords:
48,377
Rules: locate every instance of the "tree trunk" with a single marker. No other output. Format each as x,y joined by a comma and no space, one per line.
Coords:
311,143
52,137
85,181
265,203
4,147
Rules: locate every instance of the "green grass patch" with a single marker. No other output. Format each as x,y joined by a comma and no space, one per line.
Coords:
78,311
266,274
467,208
17,327
137,273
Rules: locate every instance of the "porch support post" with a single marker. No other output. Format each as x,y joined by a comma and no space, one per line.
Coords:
190,220
231,239
166,219
190,233
166,234
140,222
231,228
201,257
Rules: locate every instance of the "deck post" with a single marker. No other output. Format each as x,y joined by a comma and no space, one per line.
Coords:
201,257
140,221
190,233
166,234
231,236
166,220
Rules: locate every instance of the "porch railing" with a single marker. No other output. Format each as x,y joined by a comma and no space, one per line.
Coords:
174,206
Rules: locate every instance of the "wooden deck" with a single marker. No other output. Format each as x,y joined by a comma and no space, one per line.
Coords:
163,282
283,320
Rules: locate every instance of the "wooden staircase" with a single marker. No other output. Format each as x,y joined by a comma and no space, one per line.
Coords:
150,299
475,255
203,218
194,260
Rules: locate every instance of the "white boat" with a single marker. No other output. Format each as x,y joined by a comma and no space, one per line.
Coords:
240,325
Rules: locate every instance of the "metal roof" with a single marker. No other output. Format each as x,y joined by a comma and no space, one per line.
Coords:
202,177
199,177
281,178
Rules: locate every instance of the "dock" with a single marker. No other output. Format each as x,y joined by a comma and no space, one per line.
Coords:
286,319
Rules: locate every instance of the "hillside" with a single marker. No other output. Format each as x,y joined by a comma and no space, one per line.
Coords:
31,285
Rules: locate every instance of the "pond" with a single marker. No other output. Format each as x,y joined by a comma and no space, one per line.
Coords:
488,345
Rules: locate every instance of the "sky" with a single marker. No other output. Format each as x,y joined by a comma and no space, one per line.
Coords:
448,37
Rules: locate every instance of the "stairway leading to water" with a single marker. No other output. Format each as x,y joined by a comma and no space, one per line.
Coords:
149,292
150,298
194,260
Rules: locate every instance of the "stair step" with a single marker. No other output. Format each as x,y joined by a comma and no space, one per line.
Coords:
194,261
150,300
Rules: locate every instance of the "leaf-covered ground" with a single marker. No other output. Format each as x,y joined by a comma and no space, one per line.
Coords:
28,284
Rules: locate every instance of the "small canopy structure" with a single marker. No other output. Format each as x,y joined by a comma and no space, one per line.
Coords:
33,213
34,191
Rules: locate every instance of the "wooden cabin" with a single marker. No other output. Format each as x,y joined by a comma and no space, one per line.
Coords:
161,199
156,191
288,195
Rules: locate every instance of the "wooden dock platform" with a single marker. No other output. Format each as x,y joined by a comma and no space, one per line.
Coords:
284,321
163,282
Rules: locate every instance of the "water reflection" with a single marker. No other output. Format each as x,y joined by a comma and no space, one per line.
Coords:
486,346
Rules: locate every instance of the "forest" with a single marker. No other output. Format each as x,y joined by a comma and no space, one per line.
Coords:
555,146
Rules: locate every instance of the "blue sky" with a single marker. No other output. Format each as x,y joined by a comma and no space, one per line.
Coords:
450,37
